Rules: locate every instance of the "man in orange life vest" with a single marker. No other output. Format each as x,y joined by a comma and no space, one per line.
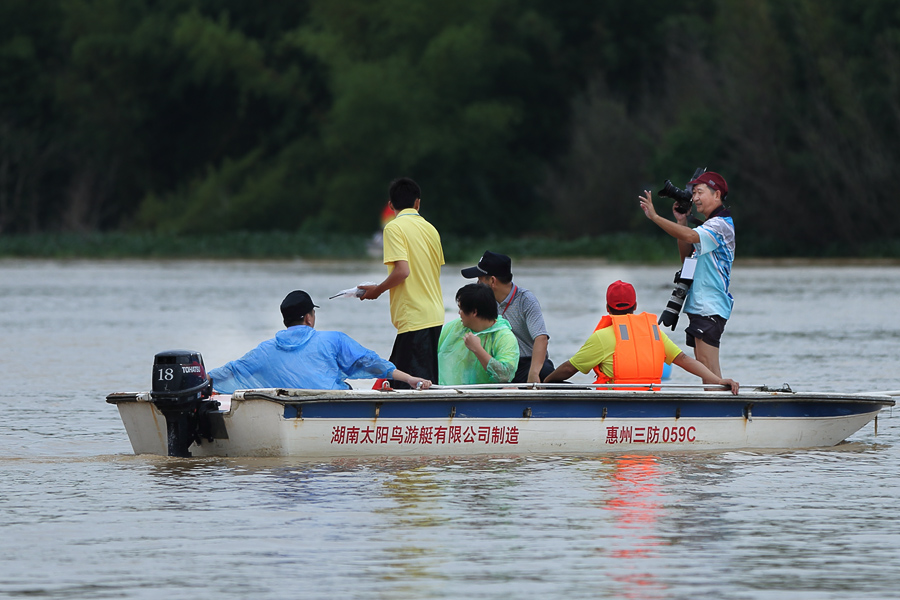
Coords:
630,348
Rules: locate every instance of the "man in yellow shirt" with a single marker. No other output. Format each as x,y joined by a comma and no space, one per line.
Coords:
413,255
630,348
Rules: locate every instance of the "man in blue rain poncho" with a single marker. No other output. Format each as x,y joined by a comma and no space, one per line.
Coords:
303,358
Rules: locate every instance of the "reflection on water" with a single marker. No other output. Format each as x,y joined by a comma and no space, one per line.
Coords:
637,505
81,516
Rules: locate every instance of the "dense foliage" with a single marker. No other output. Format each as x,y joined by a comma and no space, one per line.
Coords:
535,117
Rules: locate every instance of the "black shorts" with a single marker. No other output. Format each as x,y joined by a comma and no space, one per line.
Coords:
708,329
415,353
525,366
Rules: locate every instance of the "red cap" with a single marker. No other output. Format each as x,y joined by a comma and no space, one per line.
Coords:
713,180
620,295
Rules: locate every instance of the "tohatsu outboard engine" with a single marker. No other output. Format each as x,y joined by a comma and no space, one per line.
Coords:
180,391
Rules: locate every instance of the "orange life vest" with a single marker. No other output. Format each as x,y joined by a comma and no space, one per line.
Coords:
640,352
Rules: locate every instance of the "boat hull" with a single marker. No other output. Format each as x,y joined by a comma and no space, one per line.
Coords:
319,424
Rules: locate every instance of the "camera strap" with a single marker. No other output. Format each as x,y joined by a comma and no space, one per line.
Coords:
721,211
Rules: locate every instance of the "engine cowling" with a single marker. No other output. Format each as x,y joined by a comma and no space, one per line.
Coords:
181,391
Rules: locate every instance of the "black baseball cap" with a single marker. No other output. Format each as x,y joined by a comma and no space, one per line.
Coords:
295,305
498,265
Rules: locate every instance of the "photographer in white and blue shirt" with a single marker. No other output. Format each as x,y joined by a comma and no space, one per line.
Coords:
708,302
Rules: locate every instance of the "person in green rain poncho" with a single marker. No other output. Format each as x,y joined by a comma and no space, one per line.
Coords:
480,346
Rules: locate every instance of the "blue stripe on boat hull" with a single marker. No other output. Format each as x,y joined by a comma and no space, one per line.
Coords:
572,409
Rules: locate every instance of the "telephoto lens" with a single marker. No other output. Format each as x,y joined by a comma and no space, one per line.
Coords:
683,198
669,316
670,191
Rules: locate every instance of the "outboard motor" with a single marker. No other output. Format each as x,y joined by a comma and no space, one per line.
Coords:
180,391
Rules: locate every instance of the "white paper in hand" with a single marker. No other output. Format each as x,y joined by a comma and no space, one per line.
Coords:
354,292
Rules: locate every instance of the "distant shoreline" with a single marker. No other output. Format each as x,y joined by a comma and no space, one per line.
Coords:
816,261
618,248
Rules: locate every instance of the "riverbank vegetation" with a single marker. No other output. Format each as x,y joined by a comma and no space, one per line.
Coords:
283,245
238,127
614,248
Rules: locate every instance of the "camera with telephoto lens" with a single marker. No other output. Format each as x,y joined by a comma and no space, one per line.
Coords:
683,198
669,317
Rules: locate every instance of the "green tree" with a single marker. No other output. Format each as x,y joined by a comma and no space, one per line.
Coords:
460,95
795,103
126,99
515,116
243,155
30,127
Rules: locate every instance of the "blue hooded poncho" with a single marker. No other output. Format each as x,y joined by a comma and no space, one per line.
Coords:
303,358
